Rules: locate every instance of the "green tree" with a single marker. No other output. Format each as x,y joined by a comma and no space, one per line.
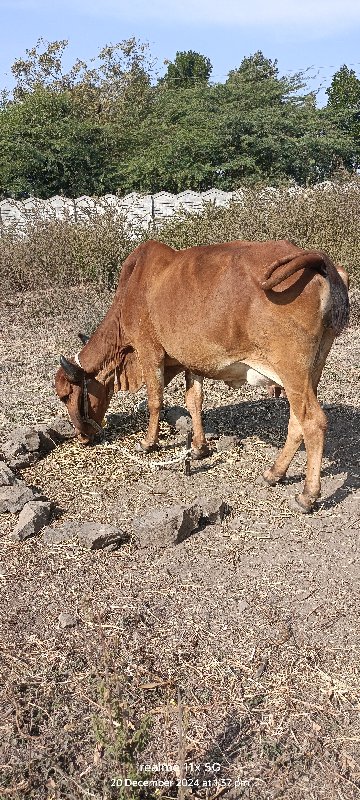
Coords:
46,149
110,126
344,91
188,68
273,132
343,109
121,73
176,146
61,130
256,68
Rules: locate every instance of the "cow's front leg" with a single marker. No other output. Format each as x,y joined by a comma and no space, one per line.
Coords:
194,401
154,379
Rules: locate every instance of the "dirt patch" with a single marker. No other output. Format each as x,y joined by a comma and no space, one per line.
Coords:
232,656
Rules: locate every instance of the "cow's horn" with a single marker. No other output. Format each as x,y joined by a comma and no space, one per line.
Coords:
83,337
73,372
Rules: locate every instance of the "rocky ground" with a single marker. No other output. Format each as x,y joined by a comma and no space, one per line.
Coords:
230,657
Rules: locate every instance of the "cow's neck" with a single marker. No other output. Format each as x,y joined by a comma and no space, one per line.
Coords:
102,353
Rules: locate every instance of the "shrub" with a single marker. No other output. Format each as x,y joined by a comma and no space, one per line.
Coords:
64,252
324,218
68,252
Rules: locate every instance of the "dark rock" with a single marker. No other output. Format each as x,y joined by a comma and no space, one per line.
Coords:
38,494
161,527
61,533
26,444
166,526
13,498
92,535
47,443
33,517
66,620
59,429
227,443
96,536
7,477
22,447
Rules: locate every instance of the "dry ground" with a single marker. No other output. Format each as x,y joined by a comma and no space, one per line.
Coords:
234,654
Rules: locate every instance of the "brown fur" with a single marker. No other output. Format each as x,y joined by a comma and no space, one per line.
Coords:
204,310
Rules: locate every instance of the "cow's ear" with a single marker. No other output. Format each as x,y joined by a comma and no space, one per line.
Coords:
62,385
83,337
73,372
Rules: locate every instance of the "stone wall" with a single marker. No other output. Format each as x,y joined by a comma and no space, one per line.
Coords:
141,210
138,209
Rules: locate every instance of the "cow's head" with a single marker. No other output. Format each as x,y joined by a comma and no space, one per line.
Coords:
86,398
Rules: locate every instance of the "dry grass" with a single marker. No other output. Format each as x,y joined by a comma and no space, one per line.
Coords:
324,217
237,648
65,252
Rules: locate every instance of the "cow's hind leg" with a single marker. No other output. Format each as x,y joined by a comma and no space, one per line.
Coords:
194,401
293,441
308,418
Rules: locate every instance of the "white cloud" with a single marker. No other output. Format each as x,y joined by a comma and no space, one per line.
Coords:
323,15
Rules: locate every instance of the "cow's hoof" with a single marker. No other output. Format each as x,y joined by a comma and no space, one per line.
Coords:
144,447
197,453
270,478
304,503
83,440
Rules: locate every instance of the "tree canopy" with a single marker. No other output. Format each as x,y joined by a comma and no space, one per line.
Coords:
115,125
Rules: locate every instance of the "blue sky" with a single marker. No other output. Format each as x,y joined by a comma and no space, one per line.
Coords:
321,34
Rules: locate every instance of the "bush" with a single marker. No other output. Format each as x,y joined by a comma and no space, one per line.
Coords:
64,252
92,250
324,218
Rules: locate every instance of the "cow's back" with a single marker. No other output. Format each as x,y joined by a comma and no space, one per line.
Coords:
215,291
205,301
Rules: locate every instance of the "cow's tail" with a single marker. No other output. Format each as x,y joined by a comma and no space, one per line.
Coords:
321,263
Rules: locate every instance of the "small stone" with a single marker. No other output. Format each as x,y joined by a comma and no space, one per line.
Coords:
96,536
7,477
227,443
93,535
238,521
26,445
47,442
22,447
33,517
211,435
59,534
213,509
261,481
66,620
166,526
162,527
59,429
14,497
183,424
178,418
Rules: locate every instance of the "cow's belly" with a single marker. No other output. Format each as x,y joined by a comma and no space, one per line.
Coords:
238,373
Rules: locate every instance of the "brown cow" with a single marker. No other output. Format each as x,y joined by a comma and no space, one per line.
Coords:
265,312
